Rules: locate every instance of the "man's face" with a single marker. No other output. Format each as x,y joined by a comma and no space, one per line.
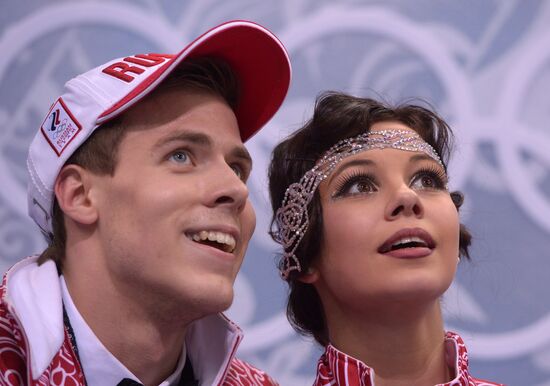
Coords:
175,219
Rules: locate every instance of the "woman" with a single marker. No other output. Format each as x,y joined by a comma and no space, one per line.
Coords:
371,239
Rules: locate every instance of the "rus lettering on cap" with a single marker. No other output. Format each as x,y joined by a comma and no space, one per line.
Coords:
135,65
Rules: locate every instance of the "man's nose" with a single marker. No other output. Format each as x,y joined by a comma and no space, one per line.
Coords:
226,188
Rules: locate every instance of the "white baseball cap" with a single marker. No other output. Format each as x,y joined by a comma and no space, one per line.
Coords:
257,57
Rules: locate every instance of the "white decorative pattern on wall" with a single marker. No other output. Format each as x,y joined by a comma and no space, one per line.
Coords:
485,66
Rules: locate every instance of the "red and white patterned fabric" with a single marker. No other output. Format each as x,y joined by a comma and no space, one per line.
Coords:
48,358
338,369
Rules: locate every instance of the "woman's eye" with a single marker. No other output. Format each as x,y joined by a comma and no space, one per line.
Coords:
428,180
361,187
356,185
180,156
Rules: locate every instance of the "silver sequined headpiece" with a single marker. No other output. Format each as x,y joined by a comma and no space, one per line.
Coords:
292,217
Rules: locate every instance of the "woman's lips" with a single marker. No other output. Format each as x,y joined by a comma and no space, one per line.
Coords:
410,253
408,243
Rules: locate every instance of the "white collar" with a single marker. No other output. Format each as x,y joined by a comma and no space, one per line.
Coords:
33,295
100,367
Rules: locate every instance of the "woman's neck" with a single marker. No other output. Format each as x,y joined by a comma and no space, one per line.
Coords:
404,346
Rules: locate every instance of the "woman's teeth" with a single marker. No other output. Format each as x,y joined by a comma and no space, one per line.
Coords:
409,242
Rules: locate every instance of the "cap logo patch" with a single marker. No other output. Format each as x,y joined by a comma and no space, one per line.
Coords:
60,127
135,65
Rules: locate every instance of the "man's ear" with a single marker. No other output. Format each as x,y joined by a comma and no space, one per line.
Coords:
310,276
72,190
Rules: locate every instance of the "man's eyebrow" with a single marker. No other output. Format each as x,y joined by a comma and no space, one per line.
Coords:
348,164
203,140
192,137
241,153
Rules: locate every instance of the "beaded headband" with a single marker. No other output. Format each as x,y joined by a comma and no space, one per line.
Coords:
292,217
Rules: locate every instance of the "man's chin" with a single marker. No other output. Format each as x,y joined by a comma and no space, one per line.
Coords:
218,302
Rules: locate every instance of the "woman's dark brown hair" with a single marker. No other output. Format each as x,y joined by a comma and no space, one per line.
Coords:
338,116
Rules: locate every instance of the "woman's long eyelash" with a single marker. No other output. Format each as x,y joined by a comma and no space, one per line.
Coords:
348,180
437,173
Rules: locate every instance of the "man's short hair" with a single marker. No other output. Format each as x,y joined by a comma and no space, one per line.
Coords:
99,153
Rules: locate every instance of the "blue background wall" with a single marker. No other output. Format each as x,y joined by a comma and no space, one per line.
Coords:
485,65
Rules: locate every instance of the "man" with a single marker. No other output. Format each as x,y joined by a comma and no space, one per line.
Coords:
137,177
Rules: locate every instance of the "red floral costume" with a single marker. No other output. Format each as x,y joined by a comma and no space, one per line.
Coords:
35,348
338,369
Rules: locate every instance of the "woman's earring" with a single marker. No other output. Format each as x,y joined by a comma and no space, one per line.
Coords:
309,276
458,199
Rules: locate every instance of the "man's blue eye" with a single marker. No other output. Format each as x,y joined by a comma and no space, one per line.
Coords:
180,156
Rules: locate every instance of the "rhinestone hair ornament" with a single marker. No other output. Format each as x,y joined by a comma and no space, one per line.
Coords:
292,217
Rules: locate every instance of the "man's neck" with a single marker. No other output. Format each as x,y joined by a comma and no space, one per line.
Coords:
147,338
404,347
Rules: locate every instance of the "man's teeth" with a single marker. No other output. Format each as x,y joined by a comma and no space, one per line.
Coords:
222,238
408,240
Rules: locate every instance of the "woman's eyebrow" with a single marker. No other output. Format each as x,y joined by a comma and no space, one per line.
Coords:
348,164
420,157
424,157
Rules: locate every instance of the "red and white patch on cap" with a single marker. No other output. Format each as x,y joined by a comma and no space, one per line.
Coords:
60,127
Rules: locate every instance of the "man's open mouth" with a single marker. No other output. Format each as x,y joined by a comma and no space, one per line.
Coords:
219,240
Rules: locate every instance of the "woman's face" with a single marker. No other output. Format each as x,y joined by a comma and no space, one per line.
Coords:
391,230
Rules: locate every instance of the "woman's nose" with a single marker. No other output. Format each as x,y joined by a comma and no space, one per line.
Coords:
404,202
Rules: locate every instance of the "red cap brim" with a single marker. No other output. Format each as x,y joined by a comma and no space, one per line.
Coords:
256,56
